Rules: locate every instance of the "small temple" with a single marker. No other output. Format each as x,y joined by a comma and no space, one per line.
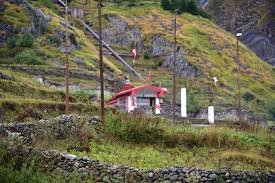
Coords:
146,98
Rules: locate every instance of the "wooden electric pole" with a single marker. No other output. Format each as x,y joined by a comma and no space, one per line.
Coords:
101,66
174,66
67,60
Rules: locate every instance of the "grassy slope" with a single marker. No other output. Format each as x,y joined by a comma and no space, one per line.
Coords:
209,47
25,94
25,99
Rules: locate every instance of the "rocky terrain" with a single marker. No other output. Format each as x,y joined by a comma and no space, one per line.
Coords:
254,18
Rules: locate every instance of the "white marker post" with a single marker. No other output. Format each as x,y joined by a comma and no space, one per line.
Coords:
157,106
183,103
211,115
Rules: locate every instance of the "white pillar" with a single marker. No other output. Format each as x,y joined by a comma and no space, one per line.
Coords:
157,106
183,103
211,114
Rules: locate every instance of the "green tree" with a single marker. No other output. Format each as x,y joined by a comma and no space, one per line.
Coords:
26,40
271,110
192,7
165,4
183,6
11,42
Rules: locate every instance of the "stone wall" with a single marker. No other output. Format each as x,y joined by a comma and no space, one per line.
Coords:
103,172
86,167
221,115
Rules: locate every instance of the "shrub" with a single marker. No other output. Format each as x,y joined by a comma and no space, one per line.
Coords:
84,134
192,7
26,40
193,104
11,43
134,128
189,6
146,55
165,4
248,97
27,57
271,109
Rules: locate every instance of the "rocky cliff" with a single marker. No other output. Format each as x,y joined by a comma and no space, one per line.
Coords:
254,18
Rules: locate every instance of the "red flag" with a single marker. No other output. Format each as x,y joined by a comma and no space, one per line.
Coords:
134,55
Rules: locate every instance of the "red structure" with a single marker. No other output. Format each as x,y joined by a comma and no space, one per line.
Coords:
147,97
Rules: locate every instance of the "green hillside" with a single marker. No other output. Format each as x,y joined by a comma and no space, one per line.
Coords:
207,47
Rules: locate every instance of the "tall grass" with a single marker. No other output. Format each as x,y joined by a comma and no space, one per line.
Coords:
134,128
140,129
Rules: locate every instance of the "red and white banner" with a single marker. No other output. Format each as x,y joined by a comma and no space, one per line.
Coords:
134,55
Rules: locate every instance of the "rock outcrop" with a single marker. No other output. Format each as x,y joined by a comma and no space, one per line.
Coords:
254,18
161,47
60,35
6,30
39,20
6,77
122,34
2,7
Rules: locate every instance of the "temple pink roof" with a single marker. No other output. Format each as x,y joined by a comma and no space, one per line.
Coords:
130,90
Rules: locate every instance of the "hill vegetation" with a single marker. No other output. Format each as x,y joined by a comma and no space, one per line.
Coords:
189,6
151,143
134,140
207,47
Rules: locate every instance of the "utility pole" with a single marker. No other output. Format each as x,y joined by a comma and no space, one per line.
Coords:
174,66
238,80
67,60
101,66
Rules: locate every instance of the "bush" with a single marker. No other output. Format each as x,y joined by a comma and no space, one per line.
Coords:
11,43
84,133
27,57
193,104
189,6
134,128
192,7
271,110
165,4
146,55
248,97
26,40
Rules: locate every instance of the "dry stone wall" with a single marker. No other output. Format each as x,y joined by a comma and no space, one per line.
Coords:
53,160
103,172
